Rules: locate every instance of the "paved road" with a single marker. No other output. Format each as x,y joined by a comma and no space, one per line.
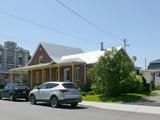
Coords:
21,110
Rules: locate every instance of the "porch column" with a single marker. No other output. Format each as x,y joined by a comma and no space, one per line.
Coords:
21,77
11,77
50,74
72,72
58,73
85,73
42,75
31,78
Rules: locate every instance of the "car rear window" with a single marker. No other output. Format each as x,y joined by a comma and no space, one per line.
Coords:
70,85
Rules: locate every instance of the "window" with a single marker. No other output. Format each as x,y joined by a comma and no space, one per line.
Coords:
43,86
77,73
48,85
51,85
37,77
0,52
66,74
70,85
41,59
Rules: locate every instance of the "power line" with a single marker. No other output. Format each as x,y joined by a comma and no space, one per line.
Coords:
88,21
46,27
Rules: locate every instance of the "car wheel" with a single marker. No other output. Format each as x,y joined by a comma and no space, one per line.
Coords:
26,99
74,104
11,98
54,102
33,100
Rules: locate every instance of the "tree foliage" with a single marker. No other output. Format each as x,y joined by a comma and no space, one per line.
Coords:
112,69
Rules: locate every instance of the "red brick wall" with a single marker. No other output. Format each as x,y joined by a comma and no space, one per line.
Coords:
53,75
40,52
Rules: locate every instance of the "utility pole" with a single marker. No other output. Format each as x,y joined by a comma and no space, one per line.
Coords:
125,44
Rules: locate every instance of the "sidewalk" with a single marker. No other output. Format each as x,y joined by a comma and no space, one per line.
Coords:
124,107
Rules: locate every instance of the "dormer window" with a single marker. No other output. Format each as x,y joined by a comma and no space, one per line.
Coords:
41,59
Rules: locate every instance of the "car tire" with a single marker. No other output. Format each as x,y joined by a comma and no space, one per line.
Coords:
32,99
54,102
11,98
74,104
26,99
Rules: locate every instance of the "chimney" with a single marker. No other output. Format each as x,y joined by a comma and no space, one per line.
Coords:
102,47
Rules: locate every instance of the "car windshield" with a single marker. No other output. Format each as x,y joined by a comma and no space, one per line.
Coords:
70,85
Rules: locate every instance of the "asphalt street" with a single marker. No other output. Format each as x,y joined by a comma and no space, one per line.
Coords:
21,110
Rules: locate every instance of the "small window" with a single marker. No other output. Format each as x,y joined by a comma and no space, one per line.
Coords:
77,73
41,59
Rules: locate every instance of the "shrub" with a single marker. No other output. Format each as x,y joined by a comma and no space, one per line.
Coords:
134,84
86,87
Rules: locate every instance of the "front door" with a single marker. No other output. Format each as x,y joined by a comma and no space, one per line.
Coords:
66,75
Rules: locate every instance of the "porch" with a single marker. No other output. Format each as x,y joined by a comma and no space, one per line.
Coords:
35,75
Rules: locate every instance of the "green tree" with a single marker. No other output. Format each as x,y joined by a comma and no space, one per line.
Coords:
112,68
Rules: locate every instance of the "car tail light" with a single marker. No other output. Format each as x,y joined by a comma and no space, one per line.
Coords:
64,90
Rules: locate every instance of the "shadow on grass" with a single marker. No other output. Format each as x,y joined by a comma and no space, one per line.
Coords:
122,98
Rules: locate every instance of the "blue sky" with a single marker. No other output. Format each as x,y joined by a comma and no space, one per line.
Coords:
136,20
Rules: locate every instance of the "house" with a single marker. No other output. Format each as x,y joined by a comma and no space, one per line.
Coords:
52,62
152,74
11,56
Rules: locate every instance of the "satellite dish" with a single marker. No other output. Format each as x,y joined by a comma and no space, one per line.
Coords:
134,58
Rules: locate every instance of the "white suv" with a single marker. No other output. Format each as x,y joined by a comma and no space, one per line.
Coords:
56,93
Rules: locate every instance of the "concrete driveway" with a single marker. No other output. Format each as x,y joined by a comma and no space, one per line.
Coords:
148,101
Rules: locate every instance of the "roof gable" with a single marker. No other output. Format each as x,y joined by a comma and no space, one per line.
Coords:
52,52
57,51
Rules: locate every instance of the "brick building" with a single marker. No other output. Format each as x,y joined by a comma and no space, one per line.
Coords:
52,62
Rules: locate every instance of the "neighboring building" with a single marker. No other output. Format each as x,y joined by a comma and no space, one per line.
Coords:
152,74
52,62
154,64
11,56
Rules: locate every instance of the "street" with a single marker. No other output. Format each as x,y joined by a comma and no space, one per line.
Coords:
21,110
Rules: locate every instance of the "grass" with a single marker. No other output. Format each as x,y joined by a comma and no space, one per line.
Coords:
128,97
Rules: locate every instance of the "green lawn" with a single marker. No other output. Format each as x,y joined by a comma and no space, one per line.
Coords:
129,97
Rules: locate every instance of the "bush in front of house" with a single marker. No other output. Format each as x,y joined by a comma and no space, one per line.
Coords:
114,74
132,84
86,87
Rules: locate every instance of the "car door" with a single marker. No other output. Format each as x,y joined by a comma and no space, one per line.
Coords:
47,90
5,91
40,92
